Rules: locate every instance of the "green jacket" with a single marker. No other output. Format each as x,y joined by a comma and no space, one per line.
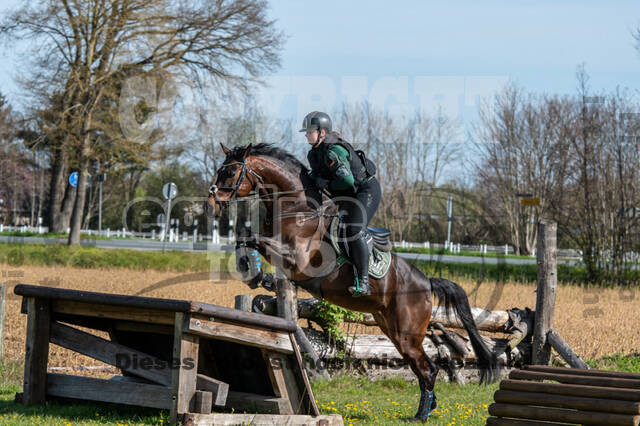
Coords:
336,161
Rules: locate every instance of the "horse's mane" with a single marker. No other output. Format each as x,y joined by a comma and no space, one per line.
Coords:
269,150
287,160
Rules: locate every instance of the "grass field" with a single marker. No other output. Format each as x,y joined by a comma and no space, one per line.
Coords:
601,324
389,401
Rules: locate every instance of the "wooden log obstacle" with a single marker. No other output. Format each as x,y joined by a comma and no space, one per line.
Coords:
574,396
530,334
188,357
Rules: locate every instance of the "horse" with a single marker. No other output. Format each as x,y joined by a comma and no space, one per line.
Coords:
401,301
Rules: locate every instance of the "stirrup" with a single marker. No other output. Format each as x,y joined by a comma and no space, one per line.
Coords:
357,291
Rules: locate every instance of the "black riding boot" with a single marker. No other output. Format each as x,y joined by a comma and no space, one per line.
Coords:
360,258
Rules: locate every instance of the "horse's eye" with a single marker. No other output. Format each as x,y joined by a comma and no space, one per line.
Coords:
213,189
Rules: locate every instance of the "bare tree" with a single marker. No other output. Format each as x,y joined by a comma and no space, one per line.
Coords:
16,169
522,148
603,192
95,45
411,155
436,144
233,124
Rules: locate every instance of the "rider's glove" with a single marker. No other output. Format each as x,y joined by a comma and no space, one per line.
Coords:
322,183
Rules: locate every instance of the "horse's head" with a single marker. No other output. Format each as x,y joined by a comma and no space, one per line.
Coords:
234,179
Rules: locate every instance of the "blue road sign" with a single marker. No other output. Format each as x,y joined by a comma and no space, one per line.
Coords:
73,179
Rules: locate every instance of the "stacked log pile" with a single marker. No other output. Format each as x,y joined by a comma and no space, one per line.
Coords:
539,394
452,350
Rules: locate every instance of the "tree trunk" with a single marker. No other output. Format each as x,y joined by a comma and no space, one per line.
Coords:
493,321
81,194
63,218
57,189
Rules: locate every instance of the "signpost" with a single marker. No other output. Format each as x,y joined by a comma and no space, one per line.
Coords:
449,218
101,178
73,179
530,201
527,199
170,191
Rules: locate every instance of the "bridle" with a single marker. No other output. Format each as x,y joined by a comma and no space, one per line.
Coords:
213,190
243,173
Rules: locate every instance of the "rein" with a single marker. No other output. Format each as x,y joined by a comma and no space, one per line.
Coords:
243,173
319,213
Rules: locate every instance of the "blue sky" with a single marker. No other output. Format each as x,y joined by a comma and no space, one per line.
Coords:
450,52
404,55
539,43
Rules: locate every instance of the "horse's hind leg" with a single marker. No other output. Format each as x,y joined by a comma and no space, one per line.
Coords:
407,334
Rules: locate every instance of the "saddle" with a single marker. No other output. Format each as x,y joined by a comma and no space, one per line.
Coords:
377,240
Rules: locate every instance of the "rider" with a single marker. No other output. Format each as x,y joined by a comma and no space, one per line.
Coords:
345,173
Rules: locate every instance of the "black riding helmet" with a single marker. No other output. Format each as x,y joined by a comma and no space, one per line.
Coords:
316,120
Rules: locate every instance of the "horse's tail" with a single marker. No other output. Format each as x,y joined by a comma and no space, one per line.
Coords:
451,295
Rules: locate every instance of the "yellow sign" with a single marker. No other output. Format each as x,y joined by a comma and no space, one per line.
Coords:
530,201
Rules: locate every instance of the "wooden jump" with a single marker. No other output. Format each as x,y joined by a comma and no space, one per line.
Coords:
576,396
197,360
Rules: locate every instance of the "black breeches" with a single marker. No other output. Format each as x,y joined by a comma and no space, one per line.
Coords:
361,208
359,211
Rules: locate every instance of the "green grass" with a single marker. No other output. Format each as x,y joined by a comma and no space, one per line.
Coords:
55,235
90,257
617,362
392,401
77,413
360,401
52,413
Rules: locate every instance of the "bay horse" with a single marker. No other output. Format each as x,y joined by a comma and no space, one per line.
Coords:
294,229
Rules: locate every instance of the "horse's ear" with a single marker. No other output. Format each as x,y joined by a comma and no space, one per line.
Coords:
246,152
225,149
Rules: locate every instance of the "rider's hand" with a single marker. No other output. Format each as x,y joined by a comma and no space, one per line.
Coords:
321,183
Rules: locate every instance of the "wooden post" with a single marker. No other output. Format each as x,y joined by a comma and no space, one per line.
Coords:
287,303
557,342
547,285
243,302
37,350
286,293
184,375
